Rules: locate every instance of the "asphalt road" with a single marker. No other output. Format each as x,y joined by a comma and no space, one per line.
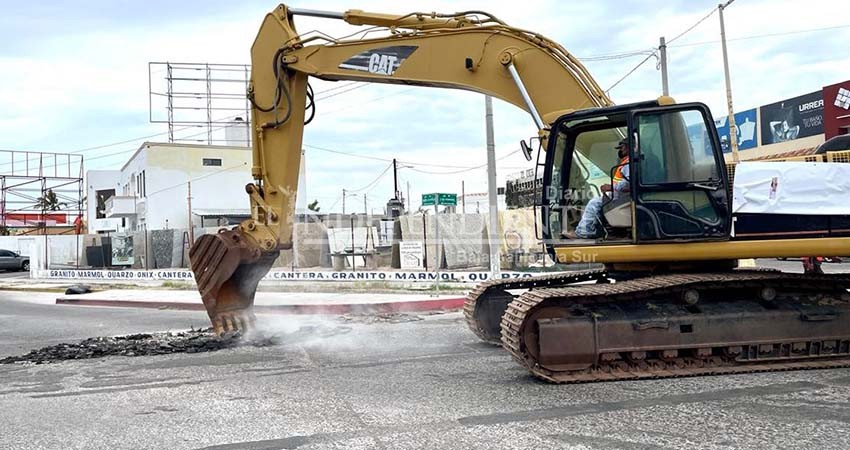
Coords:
13,274
422,384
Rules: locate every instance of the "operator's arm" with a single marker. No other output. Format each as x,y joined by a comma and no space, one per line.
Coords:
620,186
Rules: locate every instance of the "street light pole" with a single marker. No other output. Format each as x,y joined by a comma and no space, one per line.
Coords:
493,234
733,128
189,203
662,49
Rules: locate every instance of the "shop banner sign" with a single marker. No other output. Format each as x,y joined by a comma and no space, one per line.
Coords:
791,119
745,122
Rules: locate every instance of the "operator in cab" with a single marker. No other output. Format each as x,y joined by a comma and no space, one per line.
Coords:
589,227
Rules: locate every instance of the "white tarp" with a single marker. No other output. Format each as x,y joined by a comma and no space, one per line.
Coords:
791,188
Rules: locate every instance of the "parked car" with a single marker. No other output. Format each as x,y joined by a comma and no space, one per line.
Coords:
10,260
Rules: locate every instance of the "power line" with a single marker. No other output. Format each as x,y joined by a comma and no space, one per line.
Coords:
338,198
613,56
469,169
759,36
92,158
139,138
376,158
631,71
335,88
197,179
693,26
342,92
373,182
654,51
353,155
363,103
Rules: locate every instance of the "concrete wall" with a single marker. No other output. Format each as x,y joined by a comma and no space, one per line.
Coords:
462,239
62,250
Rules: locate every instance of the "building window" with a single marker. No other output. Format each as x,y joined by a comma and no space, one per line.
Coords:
212,161
100,199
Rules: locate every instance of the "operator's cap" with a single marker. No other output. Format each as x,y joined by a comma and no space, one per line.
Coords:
621,143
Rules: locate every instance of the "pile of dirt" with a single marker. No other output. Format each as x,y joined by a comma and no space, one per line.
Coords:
142,344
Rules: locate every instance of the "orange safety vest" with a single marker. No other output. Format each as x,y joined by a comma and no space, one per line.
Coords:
618,174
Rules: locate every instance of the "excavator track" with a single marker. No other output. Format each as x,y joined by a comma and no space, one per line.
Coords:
485,305
681,325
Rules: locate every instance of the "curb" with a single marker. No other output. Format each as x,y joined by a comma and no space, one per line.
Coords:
336,309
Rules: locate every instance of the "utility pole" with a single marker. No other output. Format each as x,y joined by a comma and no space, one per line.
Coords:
662,47
492,235
343,201
395,179
463,196
189,203
733,128
365,210
408,197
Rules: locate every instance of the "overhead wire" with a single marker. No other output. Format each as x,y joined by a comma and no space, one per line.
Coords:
469,169
373,183
642,62
691,28
759,36
217,172
654,52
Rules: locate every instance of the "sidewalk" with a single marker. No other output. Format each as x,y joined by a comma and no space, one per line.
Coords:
272,302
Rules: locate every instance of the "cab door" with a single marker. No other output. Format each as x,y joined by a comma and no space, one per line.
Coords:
681,185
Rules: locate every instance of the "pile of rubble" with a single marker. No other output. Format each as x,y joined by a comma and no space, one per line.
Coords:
389,317
142,344
197,341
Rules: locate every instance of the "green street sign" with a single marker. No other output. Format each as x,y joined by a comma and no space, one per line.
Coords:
429,199
447,199
439,199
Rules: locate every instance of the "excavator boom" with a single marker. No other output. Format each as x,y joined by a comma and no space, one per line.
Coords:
471,50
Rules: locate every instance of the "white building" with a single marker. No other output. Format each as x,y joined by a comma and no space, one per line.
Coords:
479,203
100,186
152,188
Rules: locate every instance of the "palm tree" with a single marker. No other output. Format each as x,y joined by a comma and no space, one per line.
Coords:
49,202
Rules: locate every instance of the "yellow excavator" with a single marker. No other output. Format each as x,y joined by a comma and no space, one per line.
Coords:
669,300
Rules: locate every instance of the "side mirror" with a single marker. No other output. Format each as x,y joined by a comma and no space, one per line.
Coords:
526,149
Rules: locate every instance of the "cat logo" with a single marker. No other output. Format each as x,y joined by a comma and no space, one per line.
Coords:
382,64
379,61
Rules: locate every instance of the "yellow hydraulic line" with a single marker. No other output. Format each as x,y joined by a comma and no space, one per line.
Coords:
704,251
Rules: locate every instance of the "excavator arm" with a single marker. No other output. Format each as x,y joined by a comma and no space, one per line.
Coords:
472,51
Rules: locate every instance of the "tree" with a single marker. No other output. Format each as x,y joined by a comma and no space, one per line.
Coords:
49,202
314,206
5,231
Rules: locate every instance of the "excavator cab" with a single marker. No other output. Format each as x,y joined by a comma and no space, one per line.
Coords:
672,186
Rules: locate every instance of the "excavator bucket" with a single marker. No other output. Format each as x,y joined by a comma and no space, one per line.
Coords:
227,268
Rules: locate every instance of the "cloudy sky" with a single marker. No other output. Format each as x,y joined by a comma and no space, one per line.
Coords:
75,79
